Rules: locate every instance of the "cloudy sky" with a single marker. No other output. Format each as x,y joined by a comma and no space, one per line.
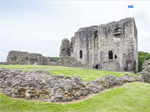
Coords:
38,26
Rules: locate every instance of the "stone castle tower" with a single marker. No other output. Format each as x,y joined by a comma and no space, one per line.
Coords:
111,46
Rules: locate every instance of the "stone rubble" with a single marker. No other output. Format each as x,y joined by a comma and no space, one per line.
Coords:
41,85
145,73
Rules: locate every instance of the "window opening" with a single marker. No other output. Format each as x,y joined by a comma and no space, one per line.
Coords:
110,55
96,34
117,30
96,66
80,53
115,56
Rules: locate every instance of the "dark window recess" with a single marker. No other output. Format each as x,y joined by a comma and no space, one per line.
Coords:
115,56
80,53
96,66
71,49
117,30
96,34
110,55
68,52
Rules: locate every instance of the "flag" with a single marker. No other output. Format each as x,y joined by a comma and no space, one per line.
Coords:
130,6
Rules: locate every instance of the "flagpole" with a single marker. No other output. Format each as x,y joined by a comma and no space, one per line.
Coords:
129,6
125,11
128,12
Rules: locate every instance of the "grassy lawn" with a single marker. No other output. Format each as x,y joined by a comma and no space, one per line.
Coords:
26,67
85,74
134,97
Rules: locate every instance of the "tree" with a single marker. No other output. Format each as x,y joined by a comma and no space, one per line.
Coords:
142,56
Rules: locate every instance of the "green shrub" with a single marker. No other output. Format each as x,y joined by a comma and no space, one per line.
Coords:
142,56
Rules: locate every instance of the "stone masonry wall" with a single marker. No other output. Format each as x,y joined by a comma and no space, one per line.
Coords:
145,73
25,58
58,88
111,46
68,61
123,45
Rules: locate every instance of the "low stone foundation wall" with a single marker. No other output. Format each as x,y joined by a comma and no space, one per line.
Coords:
4,63
68,61
25,58
59,88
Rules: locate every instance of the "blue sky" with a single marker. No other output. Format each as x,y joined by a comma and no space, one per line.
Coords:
39,26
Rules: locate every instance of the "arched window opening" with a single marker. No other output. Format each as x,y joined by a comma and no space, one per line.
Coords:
110,55
115,56
80,53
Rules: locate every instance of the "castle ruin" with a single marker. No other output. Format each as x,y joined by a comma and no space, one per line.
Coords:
111,46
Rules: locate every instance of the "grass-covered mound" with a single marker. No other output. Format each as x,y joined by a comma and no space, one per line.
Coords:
133,97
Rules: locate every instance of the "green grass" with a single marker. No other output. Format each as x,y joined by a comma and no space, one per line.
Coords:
34,67
85,74
134,97
88,74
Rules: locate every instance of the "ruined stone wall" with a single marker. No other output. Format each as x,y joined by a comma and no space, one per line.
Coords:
145,73
146,65
68,61
43,86
83,44
4,63
49,61
65,48
25,58
97,43
65,56
123,45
